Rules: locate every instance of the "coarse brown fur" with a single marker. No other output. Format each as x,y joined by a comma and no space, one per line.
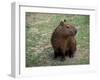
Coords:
63,40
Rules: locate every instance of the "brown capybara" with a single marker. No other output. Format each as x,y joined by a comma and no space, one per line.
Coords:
63,40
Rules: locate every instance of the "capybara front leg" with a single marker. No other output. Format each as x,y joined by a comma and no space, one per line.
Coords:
71,54
63,56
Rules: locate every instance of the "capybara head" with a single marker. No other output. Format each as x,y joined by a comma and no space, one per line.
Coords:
70,29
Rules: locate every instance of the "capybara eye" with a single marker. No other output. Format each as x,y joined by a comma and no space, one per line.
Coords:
67,26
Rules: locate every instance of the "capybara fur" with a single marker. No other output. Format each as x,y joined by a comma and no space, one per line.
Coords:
63,40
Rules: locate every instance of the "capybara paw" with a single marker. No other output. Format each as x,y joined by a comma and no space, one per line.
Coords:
71,56
63,59
55,57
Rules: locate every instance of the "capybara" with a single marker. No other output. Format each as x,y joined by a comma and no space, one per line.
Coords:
63,40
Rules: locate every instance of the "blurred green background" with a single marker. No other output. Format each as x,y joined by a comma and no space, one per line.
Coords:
39,28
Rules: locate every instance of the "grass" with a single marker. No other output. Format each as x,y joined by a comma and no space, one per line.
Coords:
39,28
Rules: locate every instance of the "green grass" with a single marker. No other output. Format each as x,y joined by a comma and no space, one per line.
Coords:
39,28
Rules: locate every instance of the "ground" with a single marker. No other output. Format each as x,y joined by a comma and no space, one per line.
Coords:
39,28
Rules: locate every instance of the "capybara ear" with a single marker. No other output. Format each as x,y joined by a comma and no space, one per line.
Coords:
75,31
62,23
64,20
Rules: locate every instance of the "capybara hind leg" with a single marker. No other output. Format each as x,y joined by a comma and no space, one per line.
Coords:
55,54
